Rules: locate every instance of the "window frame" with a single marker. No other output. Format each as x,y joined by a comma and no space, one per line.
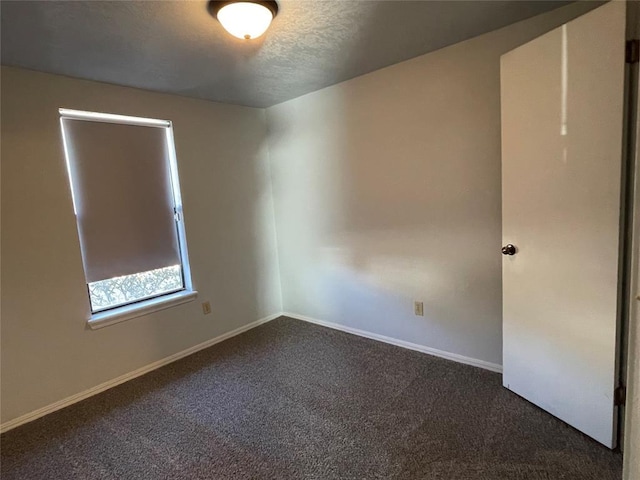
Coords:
145,306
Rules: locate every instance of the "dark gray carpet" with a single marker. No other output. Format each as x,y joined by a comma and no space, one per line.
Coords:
290,400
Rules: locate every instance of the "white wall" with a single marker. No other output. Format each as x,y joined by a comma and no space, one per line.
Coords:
48,353
387,189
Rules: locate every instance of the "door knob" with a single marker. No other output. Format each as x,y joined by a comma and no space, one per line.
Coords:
509,249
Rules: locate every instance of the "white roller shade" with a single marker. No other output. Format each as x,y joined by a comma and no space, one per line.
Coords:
121,185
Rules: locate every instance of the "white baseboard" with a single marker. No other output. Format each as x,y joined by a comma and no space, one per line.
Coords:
494,367
41,412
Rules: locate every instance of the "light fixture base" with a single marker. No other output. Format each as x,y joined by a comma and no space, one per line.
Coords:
214,6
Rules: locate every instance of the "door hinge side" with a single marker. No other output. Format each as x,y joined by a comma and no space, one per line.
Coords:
620,396
632,51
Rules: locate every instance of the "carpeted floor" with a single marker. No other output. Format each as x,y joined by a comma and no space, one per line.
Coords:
290,400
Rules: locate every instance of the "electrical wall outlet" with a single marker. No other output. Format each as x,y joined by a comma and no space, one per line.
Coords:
418,309
206,308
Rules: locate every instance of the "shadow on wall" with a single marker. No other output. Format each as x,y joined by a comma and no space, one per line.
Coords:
398,202
387,190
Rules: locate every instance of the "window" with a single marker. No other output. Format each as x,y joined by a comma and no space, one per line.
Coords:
126,197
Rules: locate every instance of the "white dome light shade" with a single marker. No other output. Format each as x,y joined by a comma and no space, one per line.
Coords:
245,20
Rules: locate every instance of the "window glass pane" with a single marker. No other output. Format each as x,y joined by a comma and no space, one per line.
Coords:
133,243
118,291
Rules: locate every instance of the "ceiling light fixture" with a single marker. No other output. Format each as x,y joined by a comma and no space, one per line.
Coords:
245,19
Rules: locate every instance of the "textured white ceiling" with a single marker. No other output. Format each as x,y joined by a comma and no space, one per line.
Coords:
177,47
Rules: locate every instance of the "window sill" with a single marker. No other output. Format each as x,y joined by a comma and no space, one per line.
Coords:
127,312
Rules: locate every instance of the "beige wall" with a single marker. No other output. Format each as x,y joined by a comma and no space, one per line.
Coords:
48,353
387,190
632,408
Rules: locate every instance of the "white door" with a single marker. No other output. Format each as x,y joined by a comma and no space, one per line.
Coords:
562,124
